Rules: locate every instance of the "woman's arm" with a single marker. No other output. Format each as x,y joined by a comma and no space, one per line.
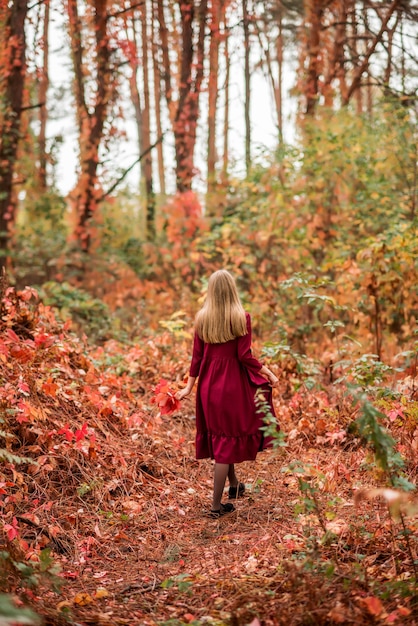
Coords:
249,361
198,348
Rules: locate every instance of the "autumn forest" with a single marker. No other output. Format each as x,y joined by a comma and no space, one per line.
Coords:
143,146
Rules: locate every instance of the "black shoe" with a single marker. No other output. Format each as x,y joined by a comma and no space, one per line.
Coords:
236,492
225,508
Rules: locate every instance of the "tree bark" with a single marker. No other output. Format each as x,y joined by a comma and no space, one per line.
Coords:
187,111
225,156
247,86
12,80
91,124
276,82
313,21
336,64
278,92
216,12
42,95
146,135
157,100
354,32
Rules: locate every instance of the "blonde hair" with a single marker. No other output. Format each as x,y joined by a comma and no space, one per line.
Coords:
222,316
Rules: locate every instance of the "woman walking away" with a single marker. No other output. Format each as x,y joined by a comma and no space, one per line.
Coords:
227,422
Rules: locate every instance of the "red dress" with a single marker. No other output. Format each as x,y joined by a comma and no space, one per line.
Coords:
228,426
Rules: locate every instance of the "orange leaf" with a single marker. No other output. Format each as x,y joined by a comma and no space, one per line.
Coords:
50,388
373,605
83,598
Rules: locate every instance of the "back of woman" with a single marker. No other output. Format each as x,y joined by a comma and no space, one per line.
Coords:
228,422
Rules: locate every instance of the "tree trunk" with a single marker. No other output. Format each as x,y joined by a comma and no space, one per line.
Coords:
146,136
247,87
313,21
354,31
278,95
12,80
43,92
336,66
166,58
225,157
91,124
276,83
215,11
187,112
157,101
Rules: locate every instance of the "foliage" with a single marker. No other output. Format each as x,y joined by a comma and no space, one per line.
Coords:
165,398
90,314
32,575
12,615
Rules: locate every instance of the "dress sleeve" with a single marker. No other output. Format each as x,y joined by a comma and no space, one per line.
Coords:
244,351
198,347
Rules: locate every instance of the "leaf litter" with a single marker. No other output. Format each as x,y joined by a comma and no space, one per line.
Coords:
121,503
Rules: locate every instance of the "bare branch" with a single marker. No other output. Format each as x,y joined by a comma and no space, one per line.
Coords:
130,168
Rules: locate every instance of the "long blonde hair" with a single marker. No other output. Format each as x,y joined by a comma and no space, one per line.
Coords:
222,316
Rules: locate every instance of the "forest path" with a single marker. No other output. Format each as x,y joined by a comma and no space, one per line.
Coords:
155,557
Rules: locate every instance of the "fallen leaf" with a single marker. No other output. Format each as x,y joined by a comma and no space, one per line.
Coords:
373,605
83,598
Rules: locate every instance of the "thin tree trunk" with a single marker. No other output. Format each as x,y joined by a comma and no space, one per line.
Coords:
276,84
279,85
12,73
403,69
247,86
225,157
354,30
215,11
336,67
313,13
157,101
146,136
388,70
134,90
43,93
166,58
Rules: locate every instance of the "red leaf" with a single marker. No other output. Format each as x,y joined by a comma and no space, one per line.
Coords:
3,348
69,435
12,530
44,340
81,433
21,353
23,387
12,335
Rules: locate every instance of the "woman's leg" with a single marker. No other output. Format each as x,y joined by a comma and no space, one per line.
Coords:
220,473
232,477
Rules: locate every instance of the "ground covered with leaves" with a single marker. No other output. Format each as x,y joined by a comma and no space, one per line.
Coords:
104,508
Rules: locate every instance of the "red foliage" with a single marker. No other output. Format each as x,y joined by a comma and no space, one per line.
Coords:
165,398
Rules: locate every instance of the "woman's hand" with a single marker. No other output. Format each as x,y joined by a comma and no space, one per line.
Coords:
273,380
183,393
